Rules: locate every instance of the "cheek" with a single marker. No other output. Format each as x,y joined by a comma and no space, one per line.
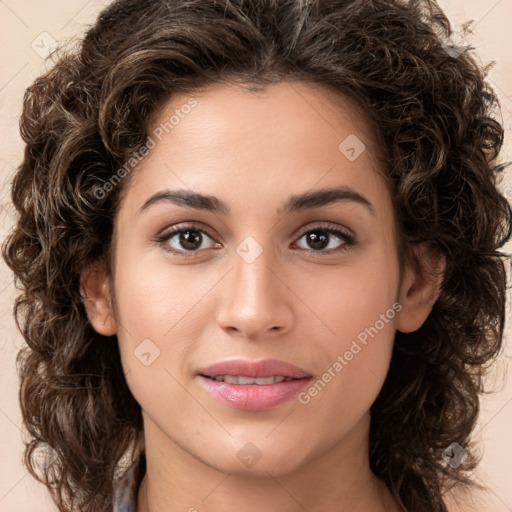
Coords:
351,299
160,315
157,297
354,328
355,360
163,309
160,309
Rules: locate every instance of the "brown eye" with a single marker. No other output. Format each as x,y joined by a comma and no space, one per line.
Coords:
322,238
186,239
190,240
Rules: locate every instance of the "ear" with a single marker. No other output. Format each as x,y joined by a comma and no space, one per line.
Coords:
420,287
95,292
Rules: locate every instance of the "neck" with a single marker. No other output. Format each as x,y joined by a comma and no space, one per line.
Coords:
339,479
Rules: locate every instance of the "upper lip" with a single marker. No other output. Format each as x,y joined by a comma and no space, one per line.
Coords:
255,369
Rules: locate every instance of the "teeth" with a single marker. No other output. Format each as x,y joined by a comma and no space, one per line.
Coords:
243,380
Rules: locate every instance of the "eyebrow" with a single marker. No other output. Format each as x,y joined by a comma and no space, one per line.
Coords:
298,202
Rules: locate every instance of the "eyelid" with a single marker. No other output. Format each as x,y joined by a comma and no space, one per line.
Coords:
326,225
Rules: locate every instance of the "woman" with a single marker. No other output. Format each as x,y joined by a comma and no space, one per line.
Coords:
258,247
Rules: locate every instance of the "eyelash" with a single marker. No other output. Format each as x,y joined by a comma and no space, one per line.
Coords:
348,239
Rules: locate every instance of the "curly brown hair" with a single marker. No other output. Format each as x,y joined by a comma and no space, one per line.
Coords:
431,109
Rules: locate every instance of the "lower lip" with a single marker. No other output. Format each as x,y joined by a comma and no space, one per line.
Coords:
254,397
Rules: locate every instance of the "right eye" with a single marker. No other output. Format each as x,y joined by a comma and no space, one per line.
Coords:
185,240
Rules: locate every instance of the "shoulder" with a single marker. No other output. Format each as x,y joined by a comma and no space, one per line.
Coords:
127,486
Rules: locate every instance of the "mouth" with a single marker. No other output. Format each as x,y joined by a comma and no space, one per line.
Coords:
244,380
253,386
253,394
244,369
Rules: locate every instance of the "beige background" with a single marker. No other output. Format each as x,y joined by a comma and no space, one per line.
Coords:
28,30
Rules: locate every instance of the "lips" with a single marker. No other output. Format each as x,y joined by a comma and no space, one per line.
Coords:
256,370
253,386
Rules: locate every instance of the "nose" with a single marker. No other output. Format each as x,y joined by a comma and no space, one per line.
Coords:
255,299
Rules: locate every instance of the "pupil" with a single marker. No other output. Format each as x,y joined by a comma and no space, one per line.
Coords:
318,241
186,239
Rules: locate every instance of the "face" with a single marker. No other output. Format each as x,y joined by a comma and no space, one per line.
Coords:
312,282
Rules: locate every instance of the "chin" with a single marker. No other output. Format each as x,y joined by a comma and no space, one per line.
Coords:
249,461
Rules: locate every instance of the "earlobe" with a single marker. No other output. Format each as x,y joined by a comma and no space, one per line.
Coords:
420,287
95,292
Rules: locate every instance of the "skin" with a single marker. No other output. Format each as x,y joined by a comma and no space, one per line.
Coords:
253,151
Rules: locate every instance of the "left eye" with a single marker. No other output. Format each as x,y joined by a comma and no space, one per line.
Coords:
321,238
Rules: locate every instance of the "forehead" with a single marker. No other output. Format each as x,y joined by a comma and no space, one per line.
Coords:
235,112
283,139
